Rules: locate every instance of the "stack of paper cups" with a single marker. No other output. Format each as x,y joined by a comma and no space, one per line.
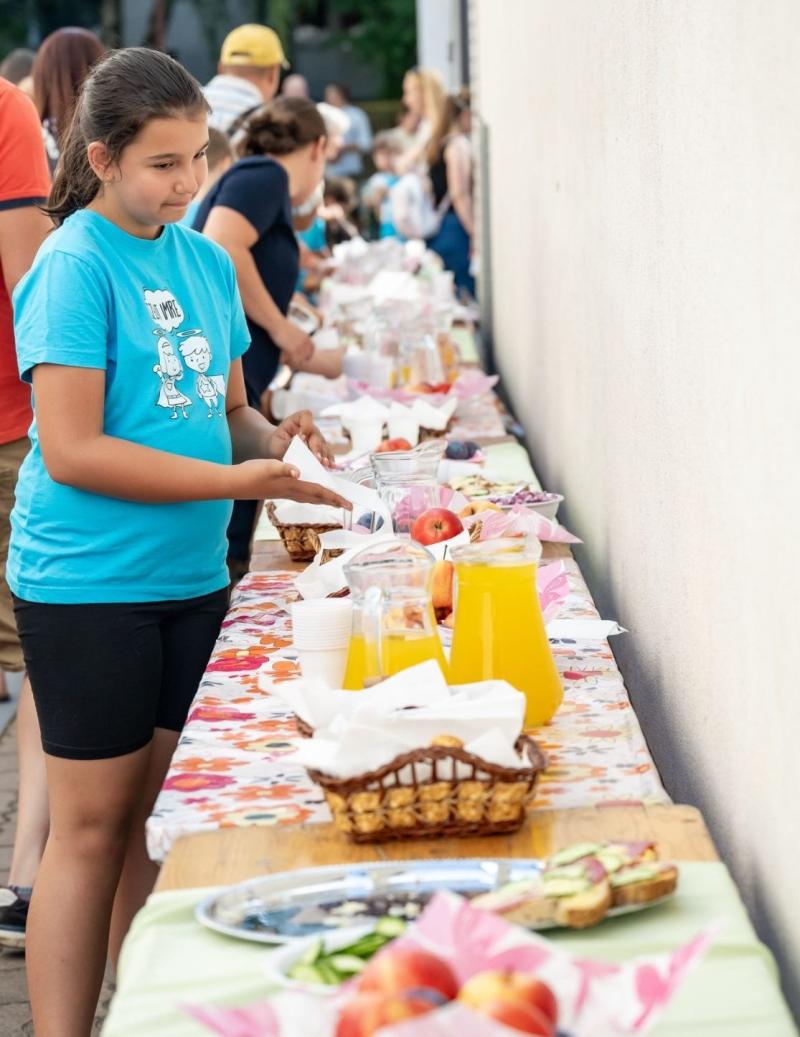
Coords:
321,635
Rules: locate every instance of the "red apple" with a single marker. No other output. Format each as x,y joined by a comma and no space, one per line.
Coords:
390,445
496,986
434,525
408,968
367,1012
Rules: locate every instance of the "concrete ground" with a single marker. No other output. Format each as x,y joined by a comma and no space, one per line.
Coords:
15,1010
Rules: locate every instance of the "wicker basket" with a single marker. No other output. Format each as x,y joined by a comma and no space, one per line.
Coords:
301,541
327,554
376,807
432,433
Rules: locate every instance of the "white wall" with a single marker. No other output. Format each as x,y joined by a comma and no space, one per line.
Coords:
644,189
439,40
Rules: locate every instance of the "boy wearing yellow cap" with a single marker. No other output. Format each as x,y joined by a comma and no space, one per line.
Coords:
250,65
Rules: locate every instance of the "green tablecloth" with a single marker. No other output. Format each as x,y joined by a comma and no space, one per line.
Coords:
169,960
464,338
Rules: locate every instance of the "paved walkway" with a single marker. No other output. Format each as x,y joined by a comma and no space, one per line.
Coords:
15,1011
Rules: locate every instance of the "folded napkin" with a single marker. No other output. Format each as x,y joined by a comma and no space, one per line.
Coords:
361,408
318,581
431,417
289,512
379,725
394,284
583,629
520,521
311,470
473,383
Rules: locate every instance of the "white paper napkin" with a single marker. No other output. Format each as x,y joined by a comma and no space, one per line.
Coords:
318,581
359,731
434,417
584,629
362,408
312,470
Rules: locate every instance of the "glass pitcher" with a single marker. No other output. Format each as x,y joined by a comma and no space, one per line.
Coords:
393,622
406,481
499,630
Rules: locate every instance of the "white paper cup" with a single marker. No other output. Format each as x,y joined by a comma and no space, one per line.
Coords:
325,664
322,624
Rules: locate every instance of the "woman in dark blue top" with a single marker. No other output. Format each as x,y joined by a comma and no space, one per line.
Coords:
249,213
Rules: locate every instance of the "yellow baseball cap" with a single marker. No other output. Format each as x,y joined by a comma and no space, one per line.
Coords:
252,45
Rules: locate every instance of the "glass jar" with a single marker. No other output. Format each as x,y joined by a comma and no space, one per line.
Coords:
393,622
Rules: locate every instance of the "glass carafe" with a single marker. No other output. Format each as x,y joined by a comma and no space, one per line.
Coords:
393,622
499,630
406,481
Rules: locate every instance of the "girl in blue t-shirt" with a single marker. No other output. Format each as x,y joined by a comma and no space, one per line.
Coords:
130,329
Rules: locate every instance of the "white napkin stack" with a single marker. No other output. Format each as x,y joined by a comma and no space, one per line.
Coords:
357,732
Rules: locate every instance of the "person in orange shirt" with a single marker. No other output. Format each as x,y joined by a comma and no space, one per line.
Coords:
24,185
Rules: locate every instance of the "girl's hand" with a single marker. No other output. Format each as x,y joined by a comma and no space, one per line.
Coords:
262,479
295,344
300,424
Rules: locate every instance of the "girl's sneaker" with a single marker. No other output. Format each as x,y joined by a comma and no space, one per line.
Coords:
13,918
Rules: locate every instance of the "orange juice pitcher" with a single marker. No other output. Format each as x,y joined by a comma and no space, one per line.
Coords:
393,622
499,630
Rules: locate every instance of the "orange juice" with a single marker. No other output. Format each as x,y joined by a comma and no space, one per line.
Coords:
400,650
499,631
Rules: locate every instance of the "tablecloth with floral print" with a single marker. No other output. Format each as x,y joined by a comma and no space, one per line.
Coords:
233,763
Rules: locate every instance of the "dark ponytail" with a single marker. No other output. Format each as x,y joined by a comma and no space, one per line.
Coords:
122,93
282,126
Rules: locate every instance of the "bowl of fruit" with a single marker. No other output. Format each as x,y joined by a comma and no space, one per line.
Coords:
537,500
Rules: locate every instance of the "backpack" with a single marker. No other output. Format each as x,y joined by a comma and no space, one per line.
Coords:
413,212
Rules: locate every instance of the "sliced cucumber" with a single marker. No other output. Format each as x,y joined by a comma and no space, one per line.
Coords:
390,926
305,973
346,964
312,953
366,946
328,974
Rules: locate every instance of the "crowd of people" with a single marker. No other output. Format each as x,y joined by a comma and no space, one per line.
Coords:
154,235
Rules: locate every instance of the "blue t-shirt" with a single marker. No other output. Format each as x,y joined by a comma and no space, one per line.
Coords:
258,188
190,214
164,320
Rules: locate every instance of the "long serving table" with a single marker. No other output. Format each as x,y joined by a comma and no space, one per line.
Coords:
234,806
232,766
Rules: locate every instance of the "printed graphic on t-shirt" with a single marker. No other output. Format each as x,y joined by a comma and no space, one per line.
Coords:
195,350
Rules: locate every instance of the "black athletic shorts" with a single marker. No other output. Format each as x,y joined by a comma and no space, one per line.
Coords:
104,676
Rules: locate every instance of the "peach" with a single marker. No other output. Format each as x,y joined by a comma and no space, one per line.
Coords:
390,445
518,1016
510,987
367,1012
408,968
442,586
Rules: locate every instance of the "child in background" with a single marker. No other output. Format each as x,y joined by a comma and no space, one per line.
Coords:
219,158
375,196
131,330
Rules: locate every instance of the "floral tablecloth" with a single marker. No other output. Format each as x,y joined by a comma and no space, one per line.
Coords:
233,762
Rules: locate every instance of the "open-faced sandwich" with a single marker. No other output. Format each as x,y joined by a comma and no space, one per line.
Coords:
581,883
